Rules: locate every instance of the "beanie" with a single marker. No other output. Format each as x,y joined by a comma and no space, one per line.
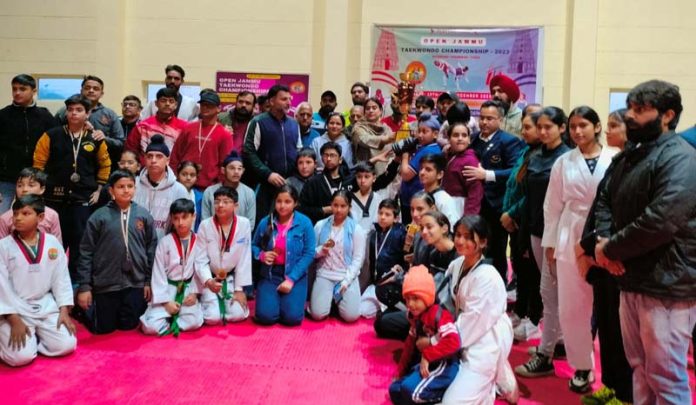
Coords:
232,157
419,282
157,145
507,85
429,121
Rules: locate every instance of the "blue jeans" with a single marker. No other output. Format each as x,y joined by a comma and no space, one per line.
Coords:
273,307
8,193
656,335
414,389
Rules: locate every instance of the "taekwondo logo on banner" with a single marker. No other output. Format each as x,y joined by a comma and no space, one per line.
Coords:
457,60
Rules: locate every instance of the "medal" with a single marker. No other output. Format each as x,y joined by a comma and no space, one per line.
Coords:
222,275
330,243
75,177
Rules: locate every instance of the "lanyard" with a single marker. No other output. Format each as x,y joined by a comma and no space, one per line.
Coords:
184,252
75,149
27,251
200,129
226,240
125,219
379,250
328,184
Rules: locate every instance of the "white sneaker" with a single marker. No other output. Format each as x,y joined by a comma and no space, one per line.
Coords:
526,330
515,319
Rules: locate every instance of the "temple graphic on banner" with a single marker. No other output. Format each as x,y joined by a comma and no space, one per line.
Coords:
522,56
386,56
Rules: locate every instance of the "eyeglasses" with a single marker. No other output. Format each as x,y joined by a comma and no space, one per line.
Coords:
225,201
130,104
330,155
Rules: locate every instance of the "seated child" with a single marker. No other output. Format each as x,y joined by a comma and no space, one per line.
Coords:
339,258
232,171
187,174
180,257
32,181
385,251
365,200
227,240
430,174
434,336
116,258
35,290
306,165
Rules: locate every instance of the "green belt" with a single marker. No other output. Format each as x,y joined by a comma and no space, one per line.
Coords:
179,299
221,297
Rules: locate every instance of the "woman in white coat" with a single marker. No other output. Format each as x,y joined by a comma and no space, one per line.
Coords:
485,330
572,189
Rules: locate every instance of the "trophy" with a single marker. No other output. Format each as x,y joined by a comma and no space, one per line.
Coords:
404,95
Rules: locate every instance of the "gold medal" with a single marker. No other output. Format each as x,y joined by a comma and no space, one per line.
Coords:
75,177
222,275
330,243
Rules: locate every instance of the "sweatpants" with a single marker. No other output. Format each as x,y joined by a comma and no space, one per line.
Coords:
414,389
323,297
116,310
551,333
73,220
45,339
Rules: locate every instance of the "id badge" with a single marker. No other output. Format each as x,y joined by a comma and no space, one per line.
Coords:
34,268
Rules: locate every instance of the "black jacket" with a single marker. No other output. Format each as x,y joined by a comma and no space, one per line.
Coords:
648,204
536,185
20,129
316,194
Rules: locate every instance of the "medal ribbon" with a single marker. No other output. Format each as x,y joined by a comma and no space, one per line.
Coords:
225,243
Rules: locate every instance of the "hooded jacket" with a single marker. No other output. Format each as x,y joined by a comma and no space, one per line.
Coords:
158,199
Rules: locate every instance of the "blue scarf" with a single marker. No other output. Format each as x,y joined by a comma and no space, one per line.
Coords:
348,230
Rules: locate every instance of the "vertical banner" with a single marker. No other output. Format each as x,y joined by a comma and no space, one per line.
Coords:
457,60
229,84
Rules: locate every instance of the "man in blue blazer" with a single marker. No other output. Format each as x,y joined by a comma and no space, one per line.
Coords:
498,152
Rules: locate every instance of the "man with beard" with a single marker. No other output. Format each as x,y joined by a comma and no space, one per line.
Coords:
187,108
270,148
303,116
649,213
327,105
237,119
359,92
505,91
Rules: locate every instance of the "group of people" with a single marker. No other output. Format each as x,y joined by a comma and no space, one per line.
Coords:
177,213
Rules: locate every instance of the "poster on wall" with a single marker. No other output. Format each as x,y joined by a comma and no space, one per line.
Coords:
230,84
461,60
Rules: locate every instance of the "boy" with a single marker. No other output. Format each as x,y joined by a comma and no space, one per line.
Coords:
431,173
232,171
227,237
157,185
35,291
77,166
366,201
434,334
32,181
116,258
306,168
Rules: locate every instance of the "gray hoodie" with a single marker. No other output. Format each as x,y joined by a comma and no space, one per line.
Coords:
158,199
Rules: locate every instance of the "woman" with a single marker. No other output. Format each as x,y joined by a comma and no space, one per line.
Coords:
551,125
485,330
467,194
371,136
335,123
572,187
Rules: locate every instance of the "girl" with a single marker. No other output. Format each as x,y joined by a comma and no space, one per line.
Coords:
370,135
180,257
572,187
284,243
551,125
340,252
436,234
466,194
334,133
129,162
480,300
187,174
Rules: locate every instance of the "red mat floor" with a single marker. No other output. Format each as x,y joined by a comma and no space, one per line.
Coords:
329,363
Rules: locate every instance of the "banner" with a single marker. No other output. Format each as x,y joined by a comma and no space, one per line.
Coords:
229,84
457,60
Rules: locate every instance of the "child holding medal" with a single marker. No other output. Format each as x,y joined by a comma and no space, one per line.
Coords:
180,257
227,240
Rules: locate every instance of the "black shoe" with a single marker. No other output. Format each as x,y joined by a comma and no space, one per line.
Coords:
582,381
559,351
538,366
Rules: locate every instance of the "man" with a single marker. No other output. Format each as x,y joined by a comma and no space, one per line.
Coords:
315,200
237,119
205,142
21,125
327,105
444,102
270,147
104,120
164,123
262,104
498,152
505,91
359,92
186,107
303,115
649,210
424,104
131,107
356,113
394,121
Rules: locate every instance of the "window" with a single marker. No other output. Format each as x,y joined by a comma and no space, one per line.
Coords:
52,88
617,99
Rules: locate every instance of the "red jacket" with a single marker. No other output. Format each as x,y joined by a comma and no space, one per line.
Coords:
445,344
139,137
208,153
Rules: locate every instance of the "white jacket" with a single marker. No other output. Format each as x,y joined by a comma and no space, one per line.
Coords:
157,200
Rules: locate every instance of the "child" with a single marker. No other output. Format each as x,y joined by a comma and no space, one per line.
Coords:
306,167
227,239
32,181
365,201
35,290
339,253
466,194
179,257
335,124
232,170
129,162
116,257
385,251
284,244
187,173
77,166
434,336
431,172
485,330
